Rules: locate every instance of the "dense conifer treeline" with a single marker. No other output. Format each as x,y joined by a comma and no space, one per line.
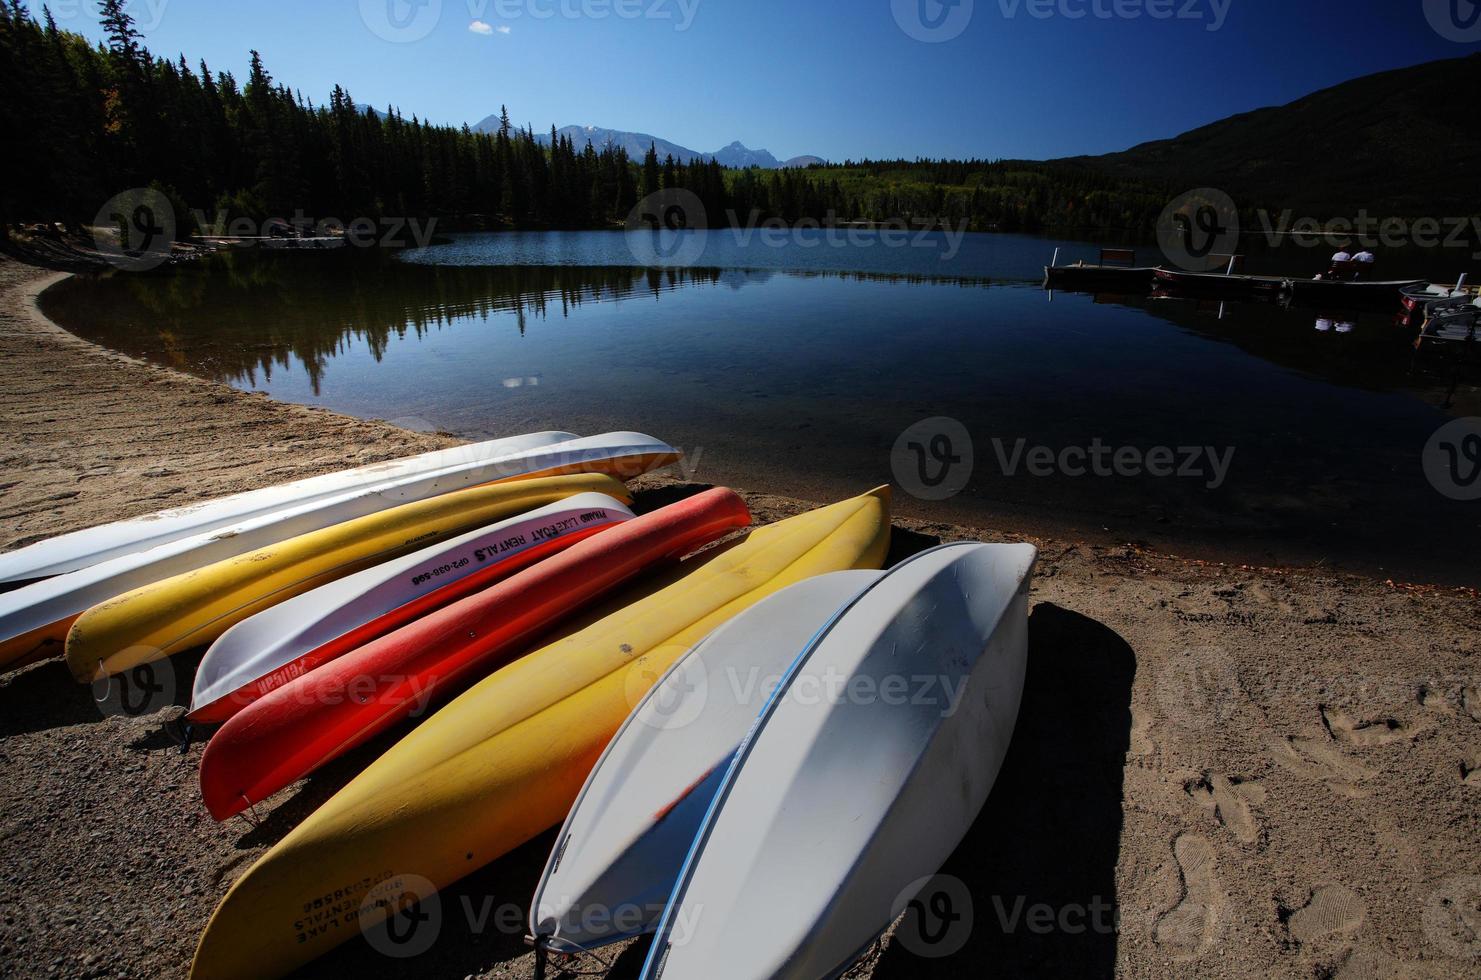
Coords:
84,122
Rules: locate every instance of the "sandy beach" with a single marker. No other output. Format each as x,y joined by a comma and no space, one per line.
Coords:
1264,772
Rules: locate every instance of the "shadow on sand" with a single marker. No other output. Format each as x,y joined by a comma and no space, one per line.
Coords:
1050,833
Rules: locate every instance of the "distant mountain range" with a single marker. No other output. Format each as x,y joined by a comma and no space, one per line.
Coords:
636,144
737,155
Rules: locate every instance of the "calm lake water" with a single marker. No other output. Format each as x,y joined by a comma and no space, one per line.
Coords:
797,369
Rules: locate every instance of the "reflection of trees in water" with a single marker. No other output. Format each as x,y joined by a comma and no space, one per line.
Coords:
238,315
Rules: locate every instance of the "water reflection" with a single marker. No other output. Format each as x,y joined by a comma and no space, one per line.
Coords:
804,381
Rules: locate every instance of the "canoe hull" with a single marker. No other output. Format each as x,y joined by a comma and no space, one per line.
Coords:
833,807
80,549
195,608
617,857
280,644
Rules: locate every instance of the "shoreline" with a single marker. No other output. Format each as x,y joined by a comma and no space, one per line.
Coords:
1269,771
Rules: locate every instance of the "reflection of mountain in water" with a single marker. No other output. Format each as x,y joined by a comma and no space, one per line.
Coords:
238,315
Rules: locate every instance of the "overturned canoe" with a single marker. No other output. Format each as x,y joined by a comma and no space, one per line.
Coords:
196,607
266,651
505,760
834,807
395,481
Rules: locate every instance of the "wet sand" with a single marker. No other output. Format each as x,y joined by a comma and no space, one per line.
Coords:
1266,772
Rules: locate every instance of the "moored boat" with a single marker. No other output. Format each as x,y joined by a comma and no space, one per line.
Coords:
1337,292
1218,284
1116,269
1425,296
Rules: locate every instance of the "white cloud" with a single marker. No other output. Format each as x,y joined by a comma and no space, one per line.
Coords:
503,29
479,27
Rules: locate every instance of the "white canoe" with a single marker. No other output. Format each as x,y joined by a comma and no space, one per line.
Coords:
267,650
837,803
619,853
69,552
40,608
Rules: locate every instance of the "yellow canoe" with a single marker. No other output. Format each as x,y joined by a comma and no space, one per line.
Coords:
505,761
196,607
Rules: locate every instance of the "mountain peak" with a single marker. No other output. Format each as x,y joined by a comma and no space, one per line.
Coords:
735,155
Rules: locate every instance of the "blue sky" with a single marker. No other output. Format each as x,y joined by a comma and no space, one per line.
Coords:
839,78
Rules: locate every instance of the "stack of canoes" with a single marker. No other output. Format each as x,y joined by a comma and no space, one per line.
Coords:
549,656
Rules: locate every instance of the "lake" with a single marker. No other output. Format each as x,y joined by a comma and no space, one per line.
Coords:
1245,432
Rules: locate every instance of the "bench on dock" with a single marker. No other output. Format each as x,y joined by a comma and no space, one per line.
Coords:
1124,258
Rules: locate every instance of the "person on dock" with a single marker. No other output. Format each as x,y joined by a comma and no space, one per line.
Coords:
1362,265
1341,267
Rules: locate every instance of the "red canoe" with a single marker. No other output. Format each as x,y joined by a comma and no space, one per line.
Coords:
293,730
